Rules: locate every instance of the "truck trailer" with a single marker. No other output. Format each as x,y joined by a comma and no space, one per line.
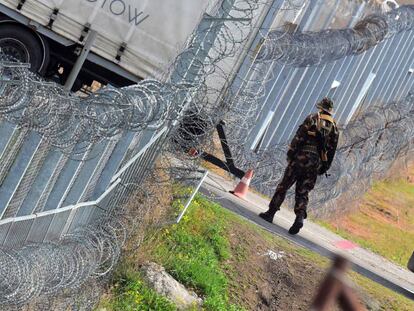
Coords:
122,41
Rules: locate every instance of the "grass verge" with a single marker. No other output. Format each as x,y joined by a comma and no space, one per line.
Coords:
222,257
193,252
384,221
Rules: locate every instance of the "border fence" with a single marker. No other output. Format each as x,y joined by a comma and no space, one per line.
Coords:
273,96
64,163
50,225
288,90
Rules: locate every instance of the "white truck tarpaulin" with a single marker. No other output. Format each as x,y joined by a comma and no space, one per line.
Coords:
154,31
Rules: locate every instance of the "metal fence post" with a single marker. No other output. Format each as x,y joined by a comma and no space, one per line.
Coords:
90,39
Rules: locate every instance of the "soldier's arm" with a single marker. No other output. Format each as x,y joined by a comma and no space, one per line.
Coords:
301,135
332,145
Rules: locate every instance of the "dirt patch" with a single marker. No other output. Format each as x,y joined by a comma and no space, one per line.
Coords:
344,222
267,276
260,281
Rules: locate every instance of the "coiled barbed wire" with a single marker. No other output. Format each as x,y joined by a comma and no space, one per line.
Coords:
70,273
220,39
47,268
369,145
196,96
308,48
34,273
354,168
66,120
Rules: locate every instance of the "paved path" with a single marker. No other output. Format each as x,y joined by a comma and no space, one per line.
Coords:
313,237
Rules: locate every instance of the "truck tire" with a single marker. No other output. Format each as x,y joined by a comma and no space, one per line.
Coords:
21,44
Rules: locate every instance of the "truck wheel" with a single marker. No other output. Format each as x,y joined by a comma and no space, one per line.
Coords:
22,45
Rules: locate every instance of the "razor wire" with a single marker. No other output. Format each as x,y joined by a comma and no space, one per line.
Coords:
47,268
369,146
301,49
239,111
33,275
192,94
71,273
65,120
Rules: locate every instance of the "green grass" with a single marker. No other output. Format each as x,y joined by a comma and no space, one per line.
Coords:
130,293
194,252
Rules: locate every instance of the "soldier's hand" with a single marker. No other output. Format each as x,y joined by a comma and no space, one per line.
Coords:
290,155
323,168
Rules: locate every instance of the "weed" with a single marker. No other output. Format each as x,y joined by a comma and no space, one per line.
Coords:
194,252
130,293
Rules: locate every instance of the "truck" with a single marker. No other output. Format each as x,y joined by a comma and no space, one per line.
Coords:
133,39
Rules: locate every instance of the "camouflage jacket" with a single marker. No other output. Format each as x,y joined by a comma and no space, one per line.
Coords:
309,136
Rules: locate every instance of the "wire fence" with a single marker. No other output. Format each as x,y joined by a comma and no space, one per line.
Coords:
301,49
271,95
116,149
85,171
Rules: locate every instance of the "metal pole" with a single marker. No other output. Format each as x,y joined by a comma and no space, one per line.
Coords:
90,39
191,198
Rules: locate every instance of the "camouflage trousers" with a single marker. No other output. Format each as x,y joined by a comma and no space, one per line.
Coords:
302,170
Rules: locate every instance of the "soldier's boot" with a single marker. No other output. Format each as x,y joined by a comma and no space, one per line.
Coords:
268,216
270,213
275,203
298,224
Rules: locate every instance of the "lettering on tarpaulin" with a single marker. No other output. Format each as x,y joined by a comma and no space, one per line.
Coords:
122,8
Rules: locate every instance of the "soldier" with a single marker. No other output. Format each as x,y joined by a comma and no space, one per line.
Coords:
310,154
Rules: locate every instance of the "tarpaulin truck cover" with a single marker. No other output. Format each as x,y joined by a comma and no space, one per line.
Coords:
153,30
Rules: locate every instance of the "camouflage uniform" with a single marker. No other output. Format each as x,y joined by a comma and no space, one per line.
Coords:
304,162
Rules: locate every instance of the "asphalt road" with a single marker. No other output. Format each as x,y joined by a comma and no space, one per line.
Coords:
312,237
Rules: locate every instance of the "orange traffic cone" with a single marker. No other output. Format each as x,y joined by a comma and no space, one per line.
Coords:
243,187
193,152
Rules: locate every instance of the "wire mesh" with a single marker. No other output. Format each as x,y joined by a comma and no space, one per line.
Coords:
193,97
